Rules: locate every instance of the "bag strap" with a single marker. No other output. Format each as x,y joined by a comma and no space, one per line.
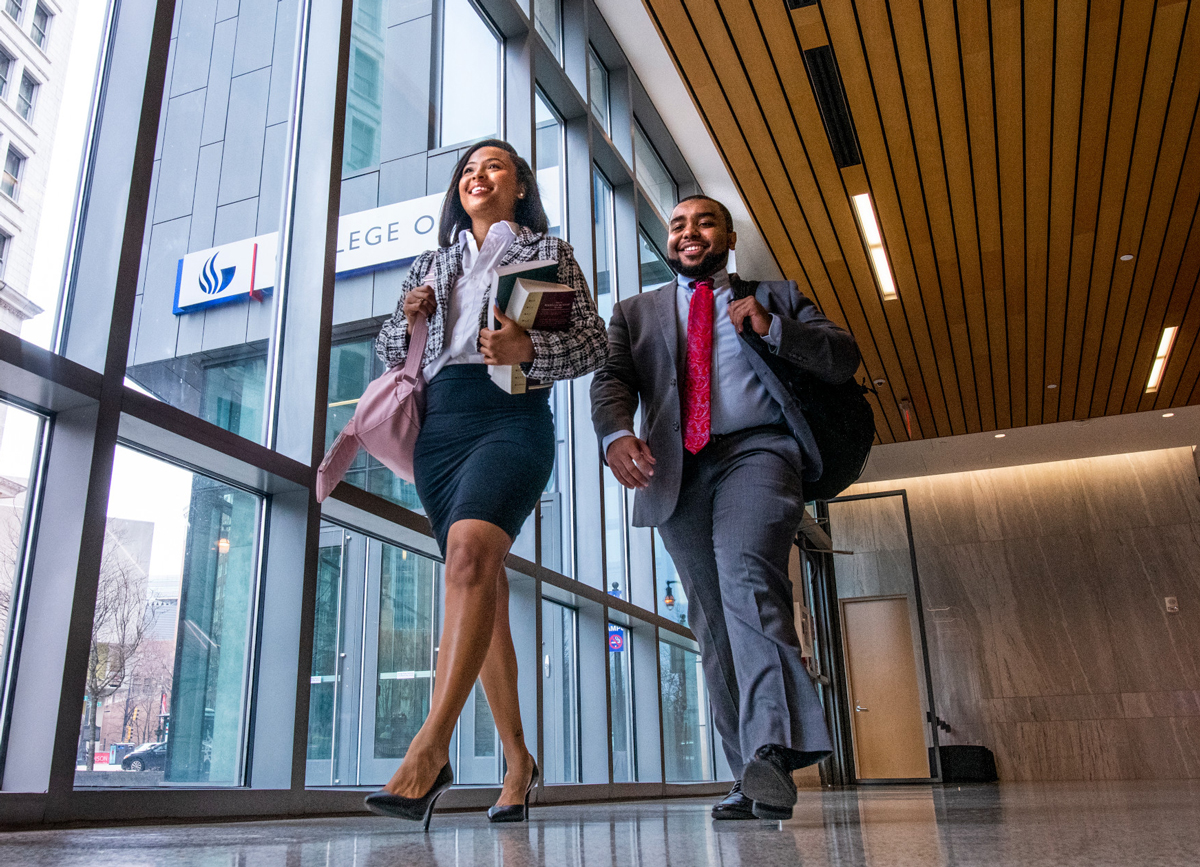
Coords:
416,346
743,288
420,335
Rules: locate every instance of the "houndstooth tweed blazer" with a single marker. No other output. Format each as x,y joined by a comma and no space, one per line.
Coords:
556,354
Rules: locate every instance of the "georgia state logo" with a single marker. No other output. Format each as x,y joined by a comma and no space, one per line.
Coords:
213,282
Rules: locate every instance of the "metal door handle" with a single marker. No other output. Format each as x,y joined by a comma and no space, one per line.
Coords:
860,708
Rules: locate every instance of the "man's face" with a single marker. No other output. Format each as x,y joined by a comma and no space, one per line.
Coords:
698,241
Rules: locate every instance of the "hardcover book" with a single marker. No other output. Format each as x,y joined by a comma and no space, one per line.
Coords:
528,294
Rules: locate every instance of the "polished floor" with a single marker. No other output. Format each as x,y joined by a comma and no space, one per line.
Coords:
1094,824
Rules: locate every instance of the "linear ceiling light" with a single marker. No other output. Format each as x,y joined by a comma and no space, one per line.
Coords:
869,226
1160,359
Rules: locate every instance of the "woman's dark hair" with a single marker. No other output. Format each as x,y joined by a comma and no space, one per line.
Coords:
529,210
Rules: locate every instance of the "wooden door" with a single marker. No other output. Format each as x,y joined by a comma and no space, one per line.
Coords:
885,703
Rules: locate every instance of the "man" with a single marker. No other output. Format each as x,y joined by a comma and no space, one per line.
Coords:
719,469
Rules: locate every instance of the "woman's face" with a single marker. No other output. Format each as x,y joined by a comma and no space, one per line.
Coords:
488,187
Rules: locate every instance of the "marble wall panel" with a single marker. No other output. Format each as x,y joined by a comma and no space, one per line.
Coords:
1043,586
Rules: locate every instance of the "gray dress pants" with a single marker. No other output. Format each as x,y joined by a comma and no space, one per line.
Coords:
740,506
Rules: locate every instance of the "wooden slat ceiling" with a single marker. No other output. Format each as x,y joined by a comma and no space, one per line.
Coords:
1014,151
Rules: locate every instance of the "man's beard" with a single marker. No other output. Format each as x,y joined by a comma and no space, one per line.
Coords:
709,265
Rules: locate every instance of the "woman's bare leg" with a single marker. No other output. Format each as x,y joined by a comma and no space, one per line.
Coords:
475,551
499,676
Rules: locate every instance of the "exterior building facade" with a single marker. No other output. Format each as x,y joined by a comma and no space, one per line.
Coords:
35,42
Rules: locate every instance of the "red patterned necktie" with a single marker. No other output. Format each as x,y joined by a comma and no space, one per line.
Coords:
697,393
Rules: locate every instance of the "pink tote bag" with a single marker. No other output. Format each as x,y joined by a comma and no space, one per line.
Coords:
386,421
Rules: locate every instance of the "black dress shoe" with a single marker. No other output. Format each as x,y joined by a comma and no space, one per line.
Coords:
514,812
385,803
734,806
767,780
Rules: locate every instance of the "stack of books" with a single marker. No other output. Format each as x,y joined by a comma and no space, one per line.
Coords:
527,293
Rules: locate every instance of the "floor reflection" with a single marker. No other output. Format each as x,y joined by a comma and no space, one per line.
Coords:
1054,824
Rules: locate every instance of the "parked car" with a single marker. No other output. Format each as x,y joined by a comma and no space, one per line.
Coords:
148,757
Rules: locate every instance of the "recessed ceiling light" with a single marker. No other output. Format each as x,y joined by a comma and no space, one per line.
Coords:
1127,257
1160,358
1052,385
1168,415
1000,436
869,227
880,383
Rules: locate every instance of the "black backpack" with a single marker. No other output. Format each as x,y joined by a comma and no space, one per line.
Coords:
840,417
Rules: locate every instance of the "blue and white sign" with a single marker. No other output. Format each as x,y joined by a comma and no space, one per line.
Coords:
387,236
218,276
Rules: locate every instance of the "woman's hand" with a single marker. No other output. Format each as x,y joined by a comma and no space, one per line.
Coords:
509,345
418,300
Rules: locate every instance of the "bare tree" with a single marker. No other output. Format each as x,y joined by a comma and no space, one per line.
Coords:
11,527
149,681
119,628
12,533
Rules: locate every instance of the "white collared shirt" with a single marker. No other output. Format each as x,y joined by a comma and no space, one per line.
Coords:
468,294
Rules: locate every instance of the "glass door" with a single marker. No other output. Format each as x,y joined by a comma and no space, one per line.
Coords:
373,657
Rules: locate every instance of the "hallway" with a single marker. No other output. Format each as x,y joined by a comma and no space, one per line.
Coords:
1094,824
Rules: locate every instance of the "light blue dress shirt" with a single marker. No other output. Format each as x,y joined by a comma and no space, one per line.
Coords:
739,399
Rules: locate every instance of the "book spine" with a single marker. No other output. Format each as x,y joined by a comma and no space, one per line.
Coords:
509,377
529,310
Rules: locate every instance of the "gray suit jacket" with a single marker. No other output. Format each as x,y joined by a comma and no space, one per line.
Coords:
643,364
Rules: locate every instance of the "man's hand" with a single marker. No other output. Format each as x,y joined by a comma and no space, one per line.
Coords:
419,300
631,462
507,345
760,319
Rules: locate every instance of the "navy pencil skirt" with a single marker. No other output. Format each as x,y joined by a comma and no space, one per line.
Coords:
482,453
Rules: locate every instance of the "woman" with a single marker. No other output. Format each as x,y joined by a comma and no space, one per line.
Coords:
483,456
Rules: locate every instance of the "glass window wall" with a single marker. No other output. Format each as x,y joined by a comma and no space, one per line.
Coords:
671,597
652,175
373,657
471,58
620,692
206,304
687,747
550,162
560,694
21,436
550,165
168,674
615,543
547,18
654,269
598,88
